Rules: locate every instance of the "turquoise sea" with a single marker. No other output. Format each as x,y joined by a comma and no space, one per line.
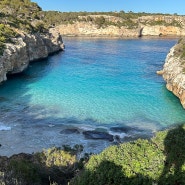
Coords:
106,85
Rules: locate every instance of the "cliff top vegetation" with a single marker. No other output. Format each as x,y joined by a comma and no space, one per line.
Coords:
102,19
180,48
16,17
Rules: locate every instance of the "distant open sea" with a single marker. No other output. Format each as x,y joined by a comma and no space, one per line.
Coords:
106,85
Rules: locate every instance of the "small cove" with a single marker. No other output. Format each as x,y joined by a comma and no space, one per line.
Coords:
107,85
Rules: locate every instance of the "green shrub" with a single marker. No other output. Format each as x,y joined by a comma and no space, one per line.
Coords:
164,23
99,21
6,33
60,158
25,171
160,160
52,166
179,50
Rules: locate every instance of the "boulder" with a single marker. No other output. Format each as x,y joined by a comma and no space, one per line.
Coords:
70,131
98,135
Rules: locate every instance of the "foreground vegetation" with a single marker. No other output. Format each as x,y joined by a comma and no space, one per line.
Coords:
52,166
159,161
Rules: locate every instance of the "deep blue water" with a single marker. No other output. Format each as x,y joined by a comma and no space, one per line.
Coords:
94,84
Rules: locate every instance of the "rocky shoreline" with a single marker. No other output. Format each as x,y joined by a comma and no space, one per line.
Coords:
174,71
149,25
91,30
27,48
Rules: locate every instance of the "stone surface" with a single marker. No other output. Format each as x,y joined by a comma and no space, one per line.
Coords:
174,71
90,30
120,129
98,135
160,72
154,25
70,131
27,48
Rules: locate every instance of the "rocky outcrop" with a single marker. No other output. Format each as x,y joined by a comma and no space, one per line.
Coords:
162,31
26,48
89,29
92,30
154,25
174,71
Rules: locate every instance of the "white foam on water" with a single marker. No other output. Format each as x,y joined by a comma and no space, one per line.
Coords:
4,128
121,135
86,127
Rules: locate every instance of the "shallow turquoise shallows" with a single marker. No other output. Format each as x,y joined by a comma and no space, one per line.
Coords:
107,85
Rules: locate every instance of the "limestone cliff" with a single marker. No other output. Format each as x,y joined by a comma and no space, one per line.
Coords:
26,48
89,29
174,71
153,25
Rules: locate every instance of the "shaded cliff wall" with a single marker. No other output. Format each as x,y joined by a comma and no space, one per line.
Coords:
18,54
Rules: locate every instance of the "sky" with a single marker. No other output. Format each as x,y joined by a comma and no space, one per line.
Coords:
154,6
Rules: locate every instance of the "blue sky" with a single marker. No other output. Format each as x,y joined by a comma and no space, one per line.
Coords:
155,6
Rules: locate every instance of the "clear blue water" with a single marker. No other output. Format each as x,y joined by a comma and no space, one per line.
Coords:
93,84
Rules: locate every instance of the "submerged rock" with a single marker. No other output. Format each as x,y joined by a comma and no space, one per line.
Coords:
70,131
98,135
2,99
120,129
125,129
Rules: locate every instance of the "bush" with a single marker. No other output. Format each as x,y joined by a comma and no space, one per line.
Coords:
52,166
25,171
160,160
179,50
6,33
100,21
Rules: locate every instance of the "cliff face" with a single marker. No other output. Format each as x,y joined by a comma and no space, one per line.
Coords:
89,29
17,55
162,31
174,71
155,25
